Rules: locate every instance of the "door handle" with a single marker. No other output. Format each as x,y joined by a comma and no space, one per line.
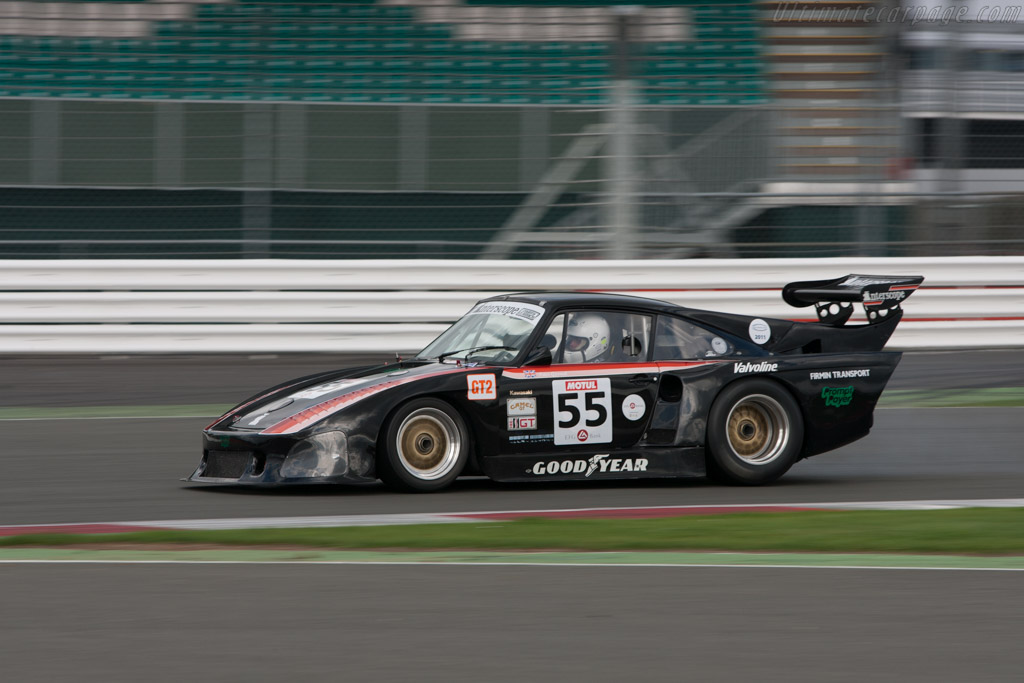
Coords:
642,380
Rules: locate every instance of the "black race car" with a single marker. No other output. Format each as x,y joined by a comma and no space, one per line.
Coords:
573,386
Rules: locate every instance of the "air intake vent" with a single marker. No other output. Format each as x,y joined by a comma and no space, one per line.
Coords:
226,464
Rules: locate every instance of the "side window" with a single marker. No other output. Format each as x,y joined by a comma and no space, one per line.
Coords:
553,336
677,339
601,337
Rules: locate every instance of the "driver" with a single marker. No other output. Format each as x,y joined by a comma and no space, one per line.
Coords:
586,340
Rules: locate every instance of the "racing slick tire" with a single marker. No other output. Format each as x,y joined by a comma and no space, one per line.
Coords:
755,433
425,446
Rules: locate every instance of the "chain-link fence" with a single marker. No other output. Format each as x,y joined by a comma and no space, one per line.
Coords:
489,129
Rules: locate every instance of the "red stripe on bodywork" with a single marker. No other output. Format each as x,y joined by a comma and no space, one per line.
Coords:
604,368
306,417
248,403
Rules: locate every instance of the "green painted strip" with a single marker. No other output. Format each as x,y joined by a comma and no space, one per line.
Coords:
948,398
524,558
99,412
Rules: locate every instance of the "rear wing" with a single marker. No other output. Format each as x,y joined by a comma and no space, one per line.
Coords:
834,299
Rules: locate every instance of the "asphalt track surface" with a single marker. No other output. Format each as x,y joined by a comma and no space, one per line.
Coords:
130,470
107,470
454,623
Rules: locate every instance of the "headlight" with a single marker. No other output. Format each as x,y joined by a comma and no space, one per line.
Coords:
322,455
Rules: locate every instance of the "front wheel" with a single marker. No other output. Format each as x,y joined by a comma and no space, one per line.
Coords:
755,433
425,446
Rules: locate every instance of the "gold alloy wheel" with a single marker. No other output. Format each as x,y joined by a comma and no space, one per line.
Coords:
757,429
429,443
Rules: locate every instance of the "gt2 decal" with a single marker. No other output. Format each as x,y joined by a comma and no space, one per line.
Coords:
582,411
481,387
598,464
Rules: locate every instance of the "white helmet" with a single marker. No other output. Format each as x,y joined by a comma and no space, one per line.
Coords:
586,339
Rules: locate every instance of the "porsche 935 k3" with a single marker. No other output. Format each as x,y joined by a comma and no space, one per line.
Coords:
544,386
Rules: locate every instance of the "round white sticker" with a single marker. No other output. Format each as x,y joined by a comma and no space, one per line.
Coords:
719,346
759,331
633,407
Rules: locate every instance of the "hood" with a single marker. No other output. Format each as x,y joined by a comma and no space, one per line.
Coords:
291,407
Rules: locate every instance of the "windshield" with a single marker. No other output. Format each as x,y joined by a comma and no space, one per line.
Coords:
493,332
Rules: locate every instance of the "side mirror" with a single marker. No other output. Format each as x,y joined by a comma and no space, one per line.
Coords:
539,356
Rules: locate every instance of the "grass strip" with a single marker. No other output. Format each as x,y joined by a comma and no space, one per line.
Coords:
37,413
974,531
949,398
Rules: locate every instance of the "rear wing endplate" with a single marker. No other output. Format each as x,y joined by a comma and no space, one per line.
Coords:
834,299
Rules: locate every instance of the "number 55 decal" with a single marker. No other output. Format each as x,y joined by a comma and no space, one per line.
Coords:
582,411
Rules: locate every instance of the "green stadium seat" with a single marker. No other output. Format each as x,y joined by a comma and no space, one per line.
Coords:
284,10
163,46
246,29
362,51
241,65
323,31
13,42
514,65
210,28
592,49
706,32
158,81
322,47
325,11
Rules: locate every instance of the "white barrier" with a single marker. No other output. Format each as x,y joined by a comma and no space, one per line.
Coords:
504,276
261,306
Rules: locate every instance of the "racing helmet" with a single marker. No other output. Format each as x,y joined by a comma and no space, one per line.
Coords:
586,340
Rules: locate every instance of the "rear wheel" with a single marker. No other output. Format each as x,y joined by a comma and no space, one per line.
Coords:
755,433
425,447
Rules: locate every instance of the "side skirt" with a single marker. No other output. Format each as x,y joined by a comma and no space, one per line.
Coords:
640,464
